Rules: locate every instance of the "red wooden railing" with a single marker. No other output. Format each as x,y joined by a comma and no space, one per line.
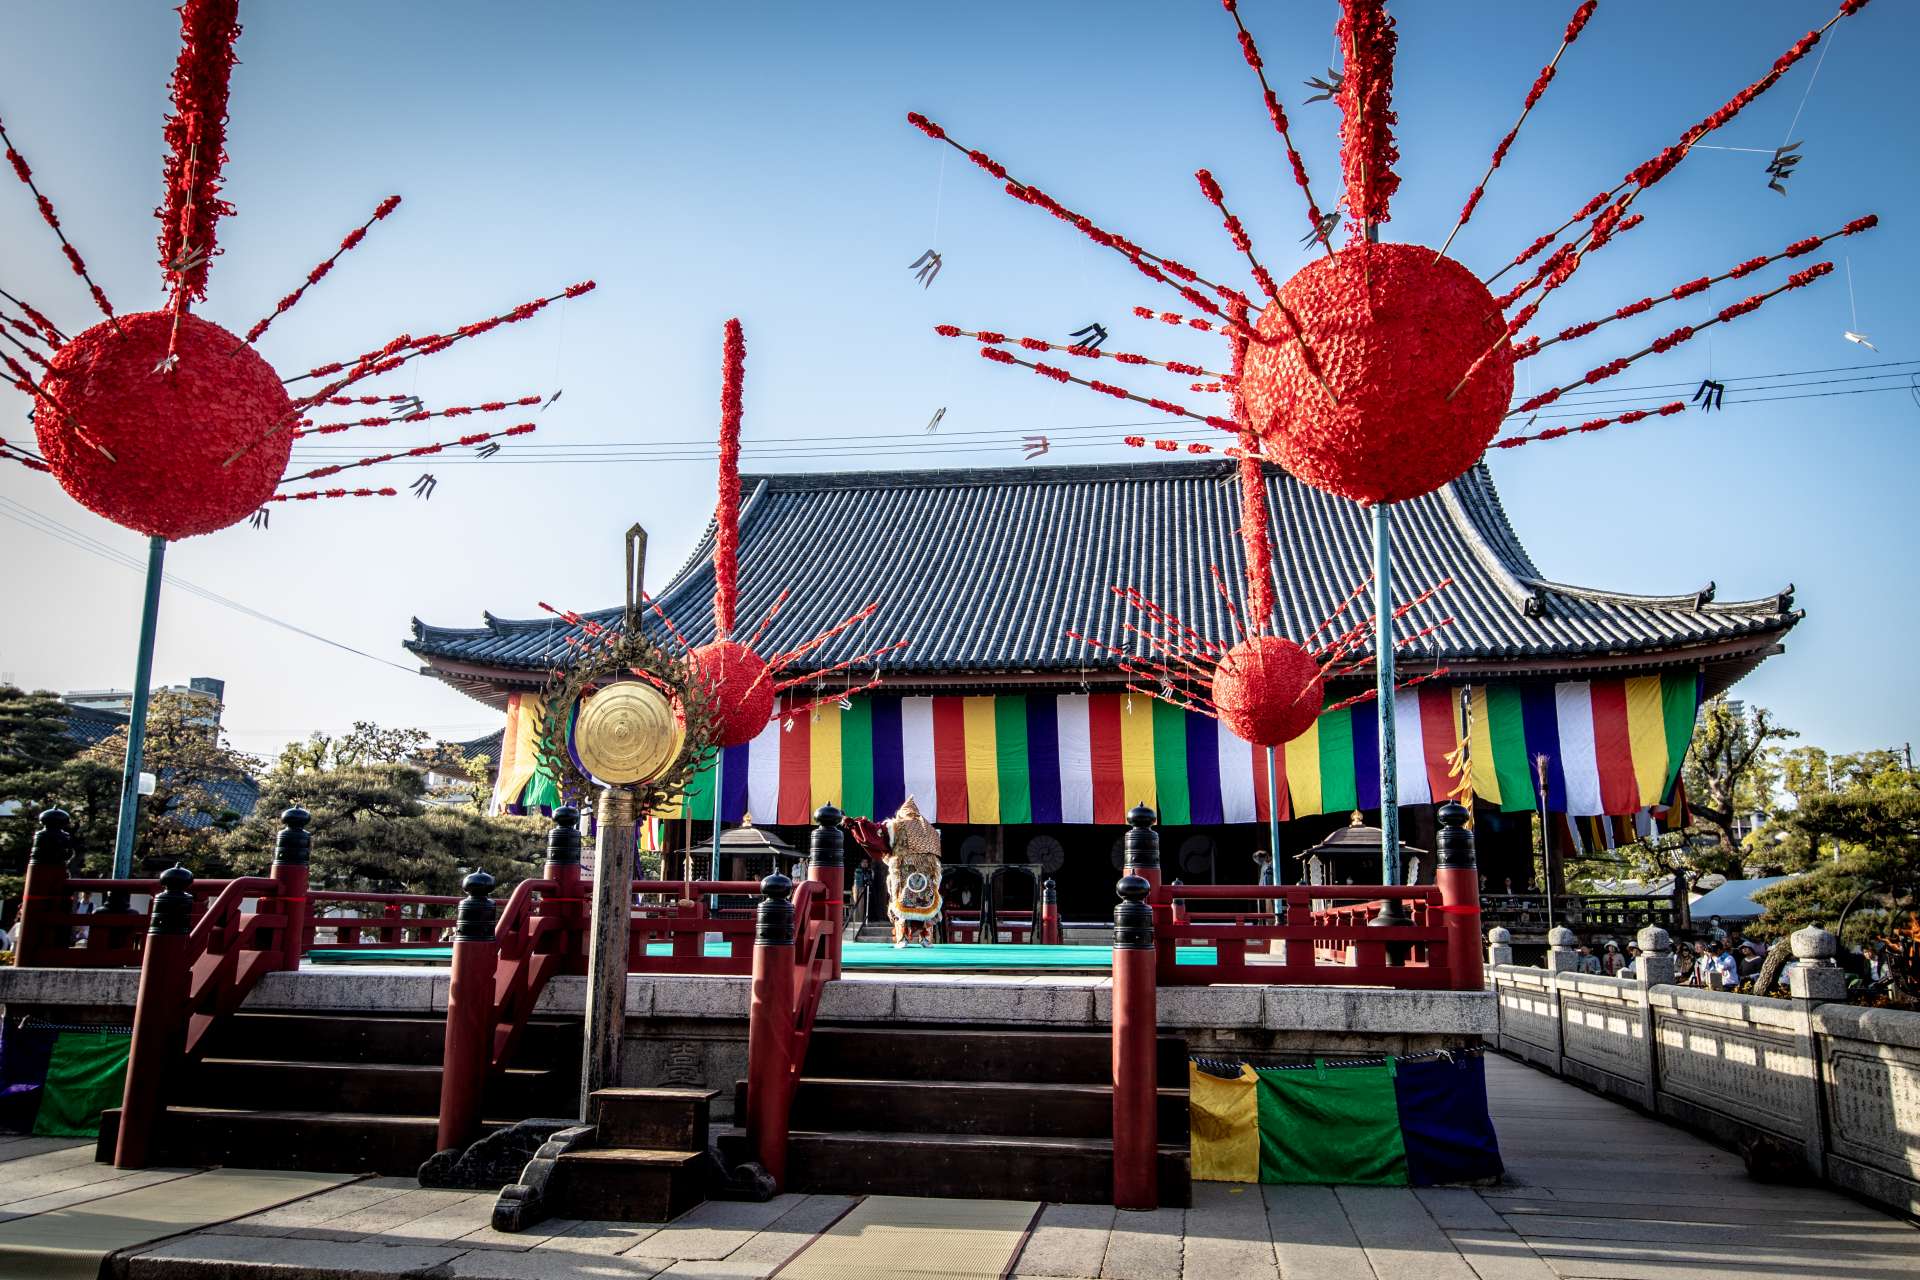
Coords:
793,961
194,972
1336,946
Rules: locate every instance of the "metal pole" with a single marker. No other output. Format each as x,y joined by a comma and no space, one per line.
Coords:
137,725
1383,646
719,778
1273,814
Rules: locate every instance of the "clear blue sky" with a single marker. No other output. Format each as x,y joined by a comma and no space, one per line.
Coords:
705,161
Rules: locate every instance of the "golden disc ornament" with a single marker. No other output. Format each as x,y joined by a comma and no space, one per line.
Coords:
628,733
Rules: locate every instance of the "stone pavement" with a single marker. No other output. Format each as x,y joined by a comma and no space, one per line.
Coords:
1594,1190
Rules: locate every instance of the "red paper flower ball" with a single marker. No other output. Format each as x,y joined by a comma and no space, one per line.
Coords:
168,432
1391,330
739,688
1267,690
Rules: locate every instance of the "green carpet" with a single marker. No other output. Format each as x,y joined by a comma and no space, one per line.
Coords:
856,955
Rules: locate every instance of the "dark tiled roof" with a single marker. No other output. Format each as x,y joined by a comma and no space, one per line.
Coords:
983,570
485,748
94,725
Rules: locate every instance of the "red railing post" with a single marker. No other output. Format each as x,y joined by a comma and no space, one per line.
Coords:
1142,858
292,847
568,899
770,1027
1050,914
159,1016
827,867
469,1043
37,939
1136,1083
390,933
1458,878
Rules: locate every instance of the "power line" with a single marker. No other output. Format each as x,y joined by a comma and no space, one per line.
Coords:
32,519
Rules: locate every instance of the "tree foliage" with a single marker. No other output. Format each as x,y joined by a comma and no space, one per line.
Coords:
41,767
1863,844
1729,769
193,805
376,825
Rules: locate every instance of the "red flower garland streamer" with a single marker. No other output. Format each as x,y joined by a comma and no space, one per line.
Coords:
1146,263
1691,287
311,494
1659,166
1254,539
1575,26
1236,231
990,338
1367,149
1278,114
406,345
382,420
1120,393
196,136
726,538
421,452
50,332
14,453
319,273
1798,279
52,219
1597,424
1168,317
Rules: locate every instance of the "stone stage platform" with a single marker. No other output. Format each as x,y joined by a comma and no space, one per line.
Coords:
691,1030
1593,1189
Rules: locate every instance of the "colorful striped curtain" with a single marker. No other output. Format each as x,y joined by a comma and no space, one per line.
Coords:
522,783
1078,758
1611,747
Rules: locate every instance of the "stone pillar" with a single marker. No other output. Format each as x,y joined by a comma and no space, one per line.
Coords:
1814,981
606,1012
1499,945
1560,944
1654,968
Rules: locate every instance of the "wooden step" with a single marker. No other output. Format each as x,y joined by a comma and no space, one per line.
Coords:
967,1106
976,1053
320,1141
969,1166
650,1119
625,1184
377,1088
363,1037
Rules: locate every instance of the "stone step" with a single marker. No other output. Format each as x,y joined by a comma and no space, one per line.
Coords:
967,1106
320,1141
650,1119
969,1166
976,1053
626,1184
376,1088
374,1037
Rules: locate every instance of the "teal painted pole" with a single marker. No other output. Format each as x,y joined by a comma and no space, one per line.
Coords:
719,792
1383,646
137,725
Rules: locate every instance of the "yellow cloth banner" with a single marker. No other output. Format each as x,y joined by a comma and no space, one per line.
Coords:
1224,1116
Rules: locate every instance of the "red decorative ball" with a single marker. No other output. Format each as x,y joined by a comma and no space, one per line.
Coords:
1268,690
739,689
168,432
1391,330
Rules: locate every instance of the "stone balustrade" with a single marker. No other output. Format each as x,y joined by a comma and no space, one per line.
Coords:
1808,1079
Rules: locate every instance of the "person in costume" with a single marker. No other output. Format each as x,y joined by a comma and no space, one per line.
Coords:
913,876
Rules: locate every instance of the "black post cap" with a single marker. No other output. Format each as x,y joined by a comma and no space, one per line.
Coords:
773,922
1142,841
293,846
1133,918
828,845
563,841
1050,893
473,918
173,905
53,842
1456,837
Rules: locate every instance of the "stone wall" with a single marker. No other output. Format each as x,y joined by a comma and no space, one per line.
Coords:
692,1030
1833,1087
